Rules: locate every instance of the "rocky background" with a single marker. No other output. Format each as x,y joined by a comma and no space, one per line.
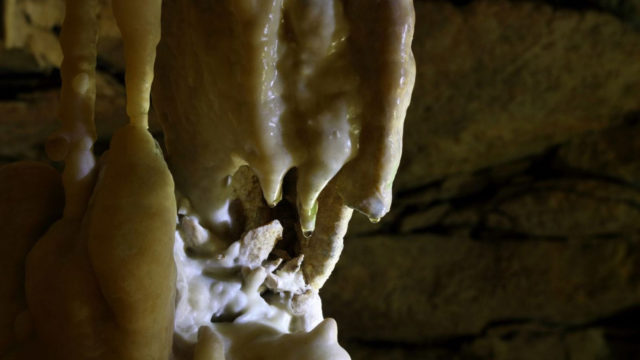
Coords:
515,231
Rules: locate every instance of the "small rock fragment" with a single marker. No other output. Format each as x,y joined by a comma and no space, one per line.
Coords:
257,244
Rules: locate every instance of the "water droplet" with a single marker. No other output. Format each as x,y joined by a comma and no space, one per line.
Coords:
307,234
374,220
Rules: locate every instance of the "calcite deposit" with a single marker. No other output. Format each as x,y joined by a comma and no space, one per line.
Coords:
250,95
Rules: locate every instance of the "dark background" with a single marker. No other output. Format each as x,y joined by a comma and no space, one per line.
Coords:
515,226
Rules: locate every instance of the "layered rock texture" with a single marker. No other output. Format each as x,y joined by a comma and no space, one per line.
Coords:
515,227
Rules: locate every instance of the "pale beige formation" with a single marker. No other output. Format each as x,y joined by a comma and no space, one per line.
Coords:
139,23
320,86
322,250
380,35
248,207
281,84
246,91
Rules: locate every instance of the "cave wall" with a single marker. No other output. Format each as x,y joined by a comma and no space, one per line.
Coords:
514,232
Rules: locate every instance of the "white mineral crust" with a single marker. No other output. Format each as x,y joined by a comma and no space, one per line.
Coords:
241,295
